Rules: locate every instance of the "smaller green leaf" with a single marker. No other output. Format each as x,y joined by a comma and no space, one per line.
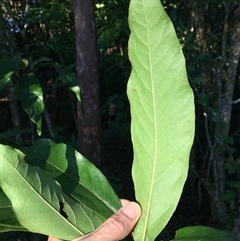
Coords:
31,98
69,79
229,140
229,195
8,221
12,132
65,75
203,99
229,167
201,233
198,80
7,69
41,61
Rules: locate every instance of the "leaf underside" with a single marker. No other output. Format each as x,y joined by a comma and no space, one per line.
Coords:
162,111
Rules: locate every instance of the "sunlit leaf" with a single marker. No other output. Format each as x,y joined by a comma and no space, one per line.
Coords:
162,111
39,203
77,176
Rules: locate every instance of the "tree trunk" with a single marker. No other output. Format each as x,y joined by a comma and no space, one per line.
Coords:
2,33
89,123
224,111
236,228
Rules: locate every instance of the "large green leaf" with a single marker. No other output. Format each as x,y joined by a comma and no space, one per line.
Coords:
162,110
39,203
201,233
7,68
31,98
78,177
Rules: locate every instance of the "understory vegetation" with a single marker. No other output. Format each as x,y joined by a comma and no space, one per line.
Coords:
42,92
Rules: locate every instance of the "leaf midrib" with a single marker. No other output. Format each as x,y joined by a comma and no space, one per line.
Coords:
155,127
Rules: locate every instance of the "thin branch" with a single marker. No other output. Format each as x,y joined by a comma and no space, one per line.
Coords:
236,101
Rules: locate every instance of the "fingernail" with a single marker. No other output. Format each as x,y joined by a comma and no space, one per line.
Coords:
132,210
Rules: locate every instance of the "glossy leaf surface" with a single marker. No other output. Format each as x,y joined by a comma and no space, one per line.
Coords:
39,203
162,110
201,233
31,98
78,177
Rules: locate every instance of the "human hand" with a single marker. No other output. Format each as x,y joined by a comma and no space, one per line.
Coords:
117,227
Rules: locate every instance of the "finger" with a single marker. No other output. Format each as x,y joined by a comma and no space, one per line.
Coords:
124,202
117,226
53,239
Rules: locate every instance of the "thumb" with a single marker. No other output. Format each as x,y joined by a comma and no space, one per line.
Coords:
118,226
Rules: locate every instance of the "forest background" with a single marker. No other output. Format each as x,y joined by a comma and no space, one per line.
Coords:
37,41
